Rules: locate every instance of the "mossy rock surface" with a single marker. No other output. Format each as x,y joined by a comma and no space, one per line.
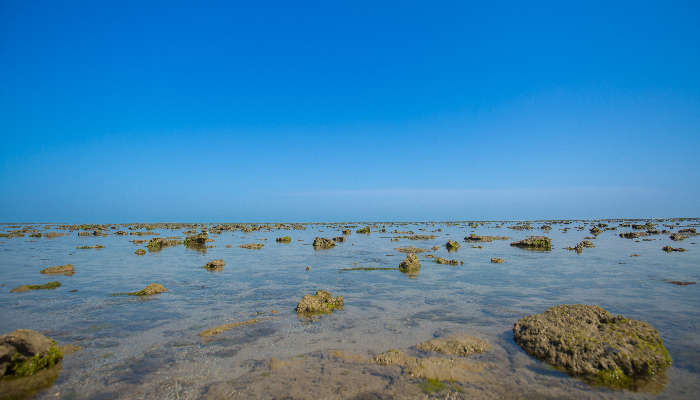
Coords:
588,341
67,270
534,243
25,352
452,245
410,265
323,243
320,303
365,230
284,239
26,288
151,289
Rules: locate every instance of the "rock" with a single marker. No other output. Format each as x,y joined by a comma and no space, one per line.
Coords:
587,341
410,265
439,368
151,289
24,352
476,238
452,245
320,303
252,246
496,260
595,231
669,249
157,244
197,241
66,270
457,345
410,249
441,260
323,243
534,243
339,239
140,252
227,327
346,231
363,230
682,283
284,239
215,265
633,235
26,288
97,246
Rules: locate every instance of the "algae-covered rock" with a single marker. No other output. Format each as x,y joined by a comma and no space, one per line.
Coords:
151,289
669,249
365,230
496,260
284,239
410,265
320,303
439,368
197,241
534,243
588,341
252,246
140,252
457,345
157,244
323,243
215,265
451,245
66,270
25,352
26,288
440,260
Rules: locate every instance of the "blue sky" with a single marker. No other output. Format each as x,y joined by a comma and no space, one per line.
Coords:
308,111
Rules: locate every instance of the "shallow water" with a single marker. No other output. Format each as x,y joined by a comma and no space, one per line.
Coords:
149,348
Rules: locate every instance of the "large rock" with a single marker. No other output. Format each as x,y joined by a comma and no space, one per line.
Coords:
151,289
534,243
320,303
410,265
323,243
67,270
588,341
24,352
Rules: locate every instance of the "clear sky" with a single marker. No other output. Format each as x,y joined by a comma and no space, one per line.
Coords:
334,110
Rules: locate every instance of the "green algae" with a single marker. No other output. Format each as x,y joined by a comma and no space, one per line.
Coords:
26,288
430,385
36,363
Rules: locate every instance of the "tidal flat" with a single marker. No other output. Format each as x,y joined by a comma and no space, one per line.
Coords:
225,323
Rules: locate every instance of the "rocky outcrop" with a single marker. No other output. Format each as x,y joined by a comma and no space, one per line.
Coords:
410,265
24,352
534,243
320,303
66,270
451,245
587,341
215,265
323,243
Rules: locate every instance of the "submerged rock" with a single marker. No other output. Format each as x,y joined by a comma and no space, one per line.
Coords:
284,239
339,239
140,252
320,303
227,327
323,243
252,246
26,288
151,289
534,243
66,270
669,249
682,283
25,352
97,246
410,265
588,341
476,238
457,345
496,260
197,241
215,265
452,245
439,368
633,235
